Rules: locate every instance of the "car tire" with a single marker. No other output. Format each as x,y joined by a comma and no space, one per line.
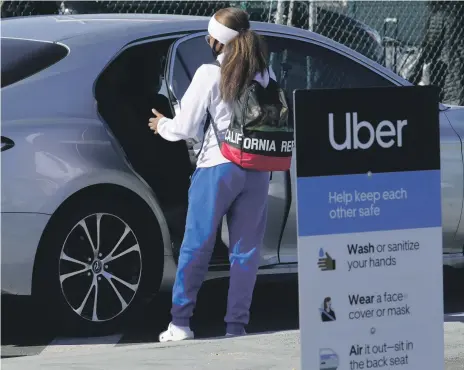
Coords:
115,242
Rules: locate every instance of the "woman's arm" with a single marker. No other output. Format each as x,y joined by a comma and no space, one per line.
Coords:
194,104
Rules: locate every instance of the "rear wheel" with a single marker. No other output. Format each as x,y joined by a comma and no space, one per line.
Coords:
100,261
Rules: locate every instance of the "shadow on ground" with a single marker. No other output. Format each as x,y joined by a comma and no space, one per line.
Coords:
274,308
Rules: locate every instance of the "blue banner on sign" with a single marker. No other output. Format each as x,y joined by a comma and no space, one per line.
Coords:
362,203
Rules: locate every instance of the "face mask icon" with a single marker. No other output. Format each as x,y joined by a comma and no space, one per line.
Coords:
326,311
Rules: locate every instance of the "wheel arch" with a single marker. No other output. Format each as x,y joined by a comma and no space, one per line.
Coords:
97,190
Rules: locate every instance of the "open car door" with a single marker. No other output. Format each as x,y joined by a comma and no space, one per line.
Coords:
185,56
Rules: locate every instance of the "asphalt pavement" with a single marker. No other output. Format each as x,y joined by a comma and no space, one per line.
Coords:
273,342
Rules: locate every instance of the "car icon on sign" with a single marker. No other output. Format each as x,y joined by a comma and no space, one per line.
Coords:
328,359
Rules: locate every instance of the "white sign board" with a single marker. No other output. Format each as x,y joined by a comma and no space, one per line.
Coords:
369,229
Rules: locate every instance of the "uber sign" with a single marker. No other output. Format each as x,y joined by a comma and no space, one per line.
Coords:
369,228
384,129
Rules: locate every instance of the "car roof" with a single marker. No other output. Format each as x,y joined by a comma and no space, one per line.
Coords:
113,31
103,36
59,28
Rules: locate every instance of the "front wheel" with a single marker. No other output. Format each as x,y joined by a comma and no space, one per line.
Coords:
100,260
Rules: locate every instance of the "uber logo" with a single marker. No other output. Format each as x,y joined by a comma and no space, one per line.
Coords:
378,129
386,134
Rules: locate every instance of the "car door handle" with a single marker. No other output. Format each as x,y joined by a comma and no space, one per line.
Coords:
7,143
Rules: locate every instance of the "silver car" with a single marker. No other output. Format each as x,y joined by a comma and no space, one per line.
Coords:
93,204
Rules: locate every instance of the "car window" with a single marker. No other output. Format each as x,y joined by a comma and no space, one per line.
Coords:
297,65
190,55
301,65
23,58
134,81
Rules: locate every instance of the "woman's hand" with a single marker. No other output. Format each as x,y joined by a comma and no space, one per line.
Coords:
153,122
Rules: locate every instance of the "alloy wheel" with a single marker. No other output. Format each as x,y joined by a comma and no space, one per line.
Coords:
100,267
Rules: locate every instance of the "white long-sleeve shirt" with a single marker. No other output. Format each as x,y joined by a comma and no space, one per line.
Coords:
202,94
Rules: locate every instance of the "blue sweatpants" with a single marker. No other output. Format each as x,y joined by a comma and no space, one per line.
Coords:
226,189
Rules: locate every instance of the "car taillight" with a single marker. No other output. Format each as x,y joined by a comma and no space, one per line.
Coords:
7,143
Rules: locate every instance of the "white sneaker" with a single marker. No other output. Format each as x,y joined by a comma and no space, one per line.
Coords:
176,333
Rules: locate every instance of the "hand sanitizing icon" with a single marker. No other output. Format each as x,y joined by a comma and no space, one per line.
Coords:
325,262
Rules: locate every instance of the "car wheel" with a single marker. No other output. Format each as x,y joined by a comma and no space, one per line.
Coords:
100,260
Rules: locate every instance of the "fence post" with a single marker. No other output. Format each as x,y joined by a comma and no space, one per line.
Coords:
290,12
269,17
390,42
312,20
280,12
311,15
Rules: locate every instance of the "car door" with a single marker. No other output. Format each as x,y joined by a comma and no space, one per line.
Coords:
185,56
308,65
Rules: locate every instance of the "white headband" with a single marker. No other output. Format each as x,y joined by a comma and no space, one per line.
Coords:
220,32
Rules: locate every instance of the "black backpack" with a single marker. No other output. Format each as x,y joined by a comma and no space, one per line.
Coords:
260,134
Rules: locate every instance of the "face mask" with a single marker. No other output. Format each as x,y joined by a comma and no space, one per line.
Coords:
213,49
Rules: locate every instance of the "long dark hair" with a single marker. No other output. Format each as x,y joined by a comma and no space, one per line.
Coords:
326,301
244,56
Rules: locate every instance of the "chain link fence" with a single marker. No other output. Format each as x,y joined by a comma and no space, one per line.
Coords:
423,41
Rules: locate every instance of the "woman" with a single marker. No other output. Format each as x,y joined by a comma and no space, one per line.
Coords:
219,187
327,314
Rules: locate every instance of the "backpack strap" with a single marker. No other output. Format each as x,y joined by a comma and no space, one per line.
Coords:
205,128
214,129
209,119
